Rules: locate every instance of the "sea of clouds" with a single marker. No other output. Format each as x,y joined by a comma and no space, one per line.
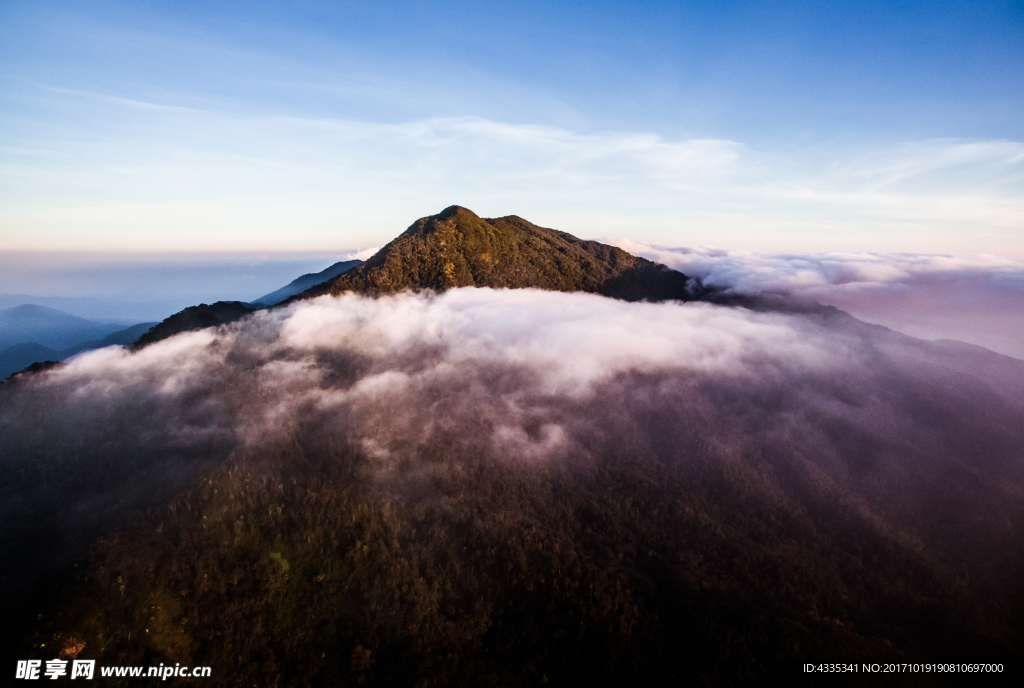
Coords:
972,298
519,375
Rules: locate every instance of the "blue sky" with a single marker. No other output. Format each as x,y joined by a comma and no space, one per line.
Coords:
254,127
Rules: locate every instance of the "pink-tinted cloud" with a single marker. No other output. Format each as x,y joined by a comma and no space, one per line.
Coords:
974,298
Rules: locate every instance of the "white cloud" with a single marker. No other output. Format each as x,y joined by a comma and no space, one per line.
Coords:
973,298
398,369
575,340
363,254
214,180
519,375
408,349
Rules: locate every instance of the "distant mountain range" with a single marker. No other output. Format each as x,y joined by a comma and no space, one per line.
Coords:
20,356
124,310
223,312
31,334
49,327
307,281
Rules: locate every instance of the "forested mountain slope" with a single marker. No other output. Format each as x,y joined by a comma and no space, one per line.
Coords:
455,248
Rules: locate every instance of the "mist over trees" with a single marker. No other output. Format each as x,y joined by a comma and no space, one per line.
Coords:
502,487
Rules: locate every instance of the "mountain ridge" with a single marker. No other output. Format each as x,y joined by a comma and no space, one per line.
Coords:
304,282
457,248
195,318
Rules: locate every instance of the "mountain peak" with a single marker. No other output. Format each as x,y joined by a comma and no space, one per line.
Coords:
458,248
456,211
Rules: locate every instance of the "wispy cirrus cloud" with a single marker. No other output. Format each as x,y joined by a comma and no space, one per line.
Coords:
215,178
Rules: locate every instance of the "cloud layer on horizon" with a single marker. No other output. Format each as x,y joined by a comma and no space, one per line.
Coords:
973,298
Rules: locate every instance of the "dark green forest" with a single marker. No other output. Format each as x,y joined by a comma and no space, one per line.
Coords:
659,556
298,567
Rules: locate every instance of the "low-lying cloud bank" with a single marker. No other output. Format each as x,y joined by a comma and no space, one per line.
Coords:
972,298
792,403
831,468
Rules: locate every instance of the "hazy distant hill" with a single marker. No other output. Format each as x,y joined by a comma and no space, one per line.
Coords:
127,310
30,334
19,356
49,327
455,248
223,312
301,284
123,337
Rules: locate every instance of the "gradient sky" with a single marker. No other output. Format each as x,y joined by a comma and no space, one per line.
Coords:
318,127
